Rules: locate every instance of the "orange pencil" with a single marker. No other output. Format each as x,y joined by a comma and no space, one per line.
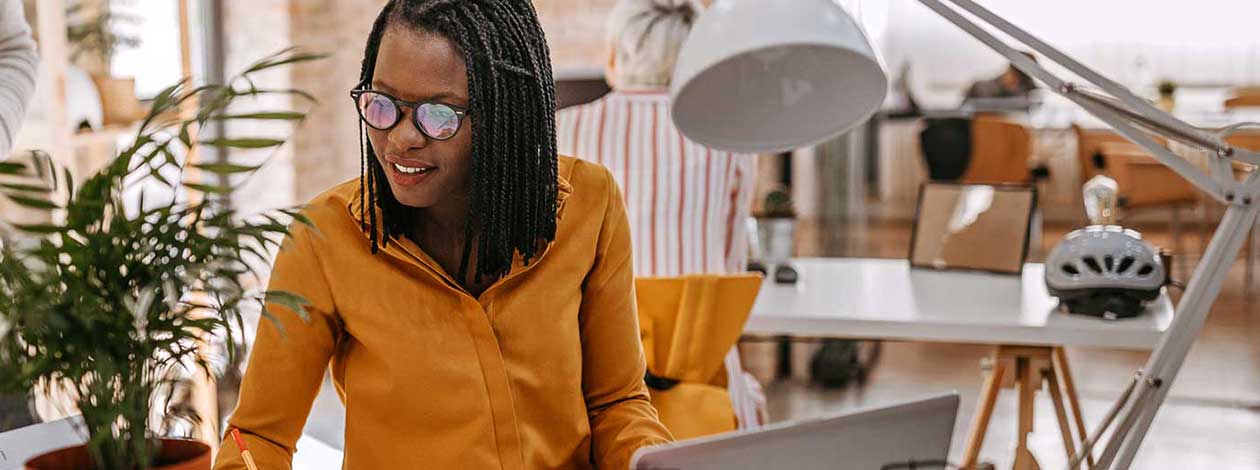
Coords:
245,455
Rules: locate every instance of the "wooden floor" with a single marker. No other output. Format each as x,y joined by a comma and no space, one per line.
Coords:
1210,421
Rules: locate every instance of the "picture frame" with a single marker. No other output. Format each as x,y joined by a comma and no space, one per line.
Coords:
973,227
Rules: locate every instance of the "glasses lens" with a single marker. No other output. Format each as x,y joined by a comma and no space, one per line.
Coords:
377,110
439,121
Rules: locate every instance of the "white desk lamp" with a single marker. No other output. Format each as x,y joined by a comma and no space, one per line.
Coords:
766,76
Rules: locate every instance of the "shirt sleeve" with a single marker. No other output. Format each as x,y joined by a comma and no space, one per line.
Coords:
18,65
288,361
621,415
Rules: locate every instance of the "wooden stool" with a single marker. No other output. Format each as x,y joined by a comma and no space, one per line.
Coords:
1030,367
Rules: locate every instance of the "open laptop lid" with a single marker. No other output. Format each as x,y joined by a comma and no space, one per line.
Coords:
918,430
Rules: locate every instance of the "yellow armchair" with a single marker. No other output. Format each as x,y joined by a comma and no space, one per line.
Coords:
687,325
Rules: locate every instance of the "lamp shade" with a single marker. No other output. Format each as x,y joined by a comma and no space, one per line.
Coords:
761,76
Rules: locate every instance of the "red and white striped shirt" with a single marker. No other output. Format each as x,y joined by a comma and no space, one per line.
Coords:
687,203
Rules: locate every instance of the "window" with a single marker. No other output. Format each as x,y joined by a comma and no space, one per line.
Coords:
156,61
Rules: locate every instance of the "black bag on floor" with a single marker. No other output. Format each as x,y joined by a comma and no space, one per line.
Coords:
836,363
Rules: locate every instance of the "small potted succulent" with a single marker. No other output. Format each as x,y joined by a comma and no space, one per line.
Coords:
109,298
776,231
1167,95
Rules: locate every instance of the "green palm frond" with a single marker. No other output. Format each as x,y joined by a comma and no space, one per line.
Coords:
110,298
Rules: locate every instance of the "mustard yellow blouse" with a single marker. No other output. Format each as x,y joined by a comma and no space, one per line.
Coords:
543,370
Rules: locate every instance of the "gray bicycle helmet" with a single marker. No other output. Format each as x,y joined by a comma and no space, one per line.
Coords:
1106,271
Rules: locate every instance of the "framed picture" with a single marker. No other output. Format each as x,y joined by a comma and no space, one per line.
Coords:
973,227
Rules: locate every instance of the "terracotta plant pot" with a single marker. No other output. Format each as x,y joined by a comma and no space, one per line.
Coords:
778,238
1167,102
175,454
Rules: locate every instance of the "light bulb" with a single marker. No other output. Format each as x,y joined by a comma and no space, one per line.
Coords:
1100,196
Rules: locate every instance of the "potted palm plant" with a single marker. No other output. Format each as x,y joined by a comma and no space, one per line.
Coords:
109,300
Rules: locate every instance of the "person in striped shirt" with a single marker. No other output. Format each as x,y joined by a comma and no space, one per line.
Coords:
18,64
687,203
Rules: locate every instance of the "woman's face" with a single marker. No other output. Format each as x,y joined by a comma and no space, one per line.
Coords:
420,66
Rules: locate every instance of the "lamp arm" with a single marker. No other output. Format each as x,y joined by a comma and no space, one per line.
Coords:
1193,138
1122,112
1214,187
1199,138
1218,188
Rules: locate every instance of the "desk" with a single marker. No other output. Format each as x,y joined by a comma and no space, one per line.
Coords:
885,299
900,167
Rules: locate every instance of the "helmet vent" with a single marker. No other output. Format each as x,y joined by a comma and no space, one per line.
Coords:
1071,270
1110,263
1146,270
1125,264
1093,264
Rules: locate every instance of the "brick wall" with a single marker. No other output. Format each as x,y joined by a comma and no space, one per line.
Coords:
575,31
327,145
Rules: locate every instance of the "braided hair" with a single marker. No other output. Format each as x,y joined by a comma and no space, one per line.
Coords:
512,101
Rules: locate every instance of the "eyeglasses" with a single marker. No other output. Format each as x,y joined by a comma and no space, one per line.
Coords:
381,111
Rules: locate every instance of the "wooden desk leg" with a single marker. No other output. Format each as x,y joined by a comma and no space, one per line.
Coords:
1056,396
1069,386
1024,459
984,411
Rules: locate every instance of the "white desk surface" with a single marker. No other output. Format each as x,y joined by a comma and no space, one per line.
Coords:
886,299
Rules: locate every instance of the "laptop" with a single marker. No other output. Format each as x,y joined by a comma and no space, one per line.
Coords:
914,434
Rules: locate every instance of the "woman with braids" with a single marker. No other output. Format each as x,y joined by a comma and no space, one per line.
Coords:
472,292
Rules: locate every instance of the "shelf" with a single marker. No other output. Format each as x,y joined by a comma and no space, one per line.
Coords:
107,134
